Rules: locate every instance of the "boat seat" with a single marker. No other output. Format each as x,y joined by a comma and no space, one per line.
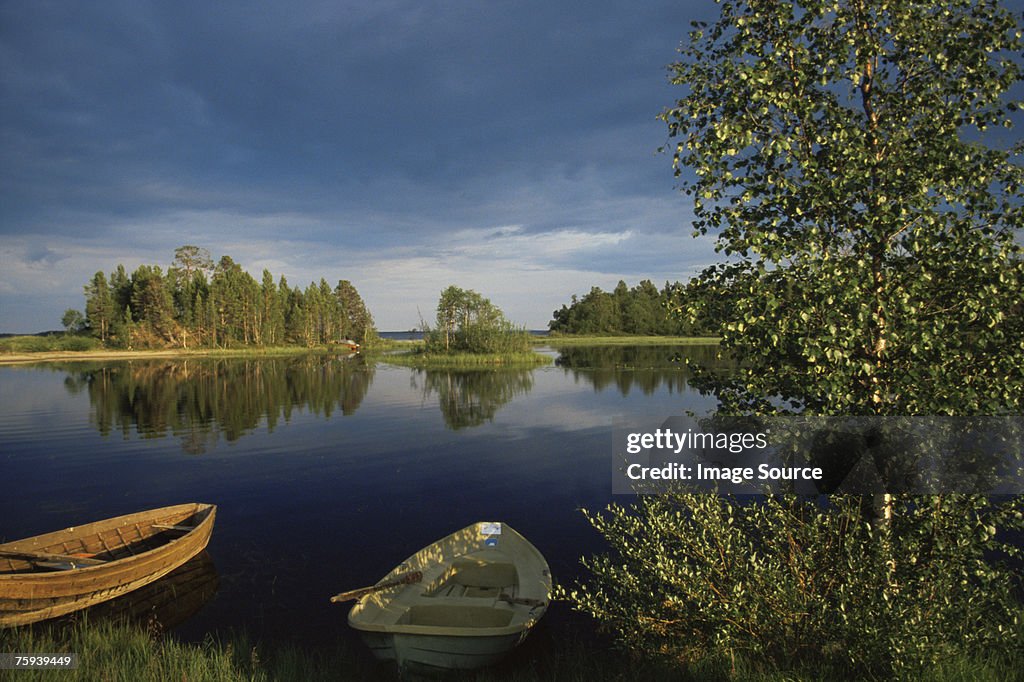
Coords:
479,575
475,572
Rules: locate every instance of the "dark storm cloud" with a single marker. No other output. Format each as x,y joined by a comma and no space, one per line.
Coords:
336,131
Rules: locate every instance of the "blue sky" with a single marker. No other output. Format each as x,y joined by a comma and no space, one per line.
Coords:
405,145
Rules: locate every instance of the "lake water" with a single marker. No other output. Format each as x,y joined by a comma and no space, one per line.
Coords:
327,471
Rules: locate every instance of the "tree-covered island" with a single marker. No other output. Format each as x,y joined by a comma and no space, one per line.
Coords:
199,303
470,331
642,310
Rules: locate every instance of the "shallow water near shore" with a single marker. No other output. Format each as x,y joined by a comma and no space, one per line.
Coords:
326,471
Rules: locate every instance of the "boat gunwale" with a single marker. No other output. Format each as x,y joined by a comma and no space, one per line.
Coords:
446,630
195,507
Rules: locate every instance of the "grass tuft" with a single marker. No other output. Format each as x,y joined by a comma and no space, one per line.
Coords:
425,360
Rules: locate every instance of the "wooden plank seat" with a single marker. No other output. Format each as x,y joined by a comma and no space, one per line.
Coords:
477,575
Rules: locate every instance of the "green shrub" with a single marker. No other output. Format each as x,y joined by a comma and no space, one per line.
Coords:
78,343
48,342
791,582
494,338
23,344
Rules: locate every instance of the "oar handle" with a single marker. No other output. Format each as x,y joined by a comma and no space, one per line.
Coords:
406,579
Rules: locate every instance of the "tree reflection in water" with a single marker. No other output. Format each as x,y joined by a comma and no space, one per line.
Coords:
471,398
646,368
197,401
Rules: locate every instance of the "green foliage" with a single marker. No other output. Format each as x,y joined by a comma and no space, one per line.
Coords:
469,323
641,310
358,323
498,338
844,153
152,307
199,304
77,343
99,306
779,582
47,343
73,321
847,157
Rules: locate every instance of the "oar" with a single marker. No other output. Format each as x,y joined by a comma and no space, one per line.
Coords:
406,579
44,556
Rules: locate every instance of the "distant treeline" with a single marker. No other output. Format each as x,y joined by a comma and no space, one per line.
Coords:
642,309
199,303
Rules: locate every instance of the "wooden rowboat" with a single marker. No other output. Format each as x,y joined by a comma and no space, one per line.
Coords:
461,603
49,575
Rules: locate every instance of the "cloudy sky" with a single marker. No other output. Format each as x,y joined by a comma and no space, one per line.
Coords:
507,147
405,145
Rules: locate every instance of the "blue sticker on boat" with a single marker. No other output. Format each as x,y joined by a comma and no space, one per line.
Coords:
491,542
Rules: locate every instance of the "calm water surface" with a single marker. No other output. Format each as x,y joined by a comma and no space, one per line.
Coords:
327,472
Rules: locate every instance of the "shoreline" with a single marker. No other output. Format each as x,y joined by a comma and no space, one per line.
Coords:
18,358
162,353
608,340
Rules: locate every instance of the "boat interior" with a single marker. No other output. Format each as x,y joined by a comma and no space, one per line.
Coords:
467,594
75,548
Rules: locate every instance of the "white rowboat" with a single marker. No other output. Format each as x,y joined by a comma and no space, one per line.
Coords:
462,602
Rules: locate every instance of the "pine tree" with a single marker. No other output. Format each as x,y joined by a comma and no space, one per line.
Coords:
99,306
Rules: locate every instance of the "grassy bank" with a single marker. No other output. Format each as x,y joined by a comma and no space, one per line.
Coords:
51,347
557,340
109,651
13,354
425,360
48,343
